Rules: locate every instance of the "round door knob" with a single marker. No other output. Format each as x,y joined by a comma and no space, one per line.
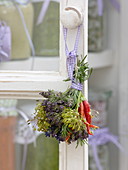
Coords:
71,17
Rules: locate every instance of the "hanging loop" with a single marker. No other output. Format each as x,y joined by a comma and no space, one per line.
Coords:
71,59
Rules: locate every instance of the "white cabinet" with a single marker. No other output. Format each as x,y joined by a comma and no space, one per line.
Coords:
115,78
21,84
110,72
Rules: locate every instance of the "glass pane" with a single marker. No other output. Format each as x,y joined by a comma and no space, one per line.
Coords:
29,35
95,27
46,34
20,147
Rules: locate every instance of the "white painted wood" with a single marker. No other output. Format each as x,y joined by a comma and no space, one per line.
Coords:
76,158
123,85
96,60
101,59
29,84
39,64
63,156
106,78
85,52
115,78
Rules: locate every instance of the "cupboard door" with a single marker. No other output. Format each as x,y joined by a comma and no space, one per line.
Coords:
26,84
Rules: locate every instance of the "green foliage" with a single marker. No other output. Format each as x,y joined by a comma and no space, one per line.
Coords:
40,116
82,71
72,119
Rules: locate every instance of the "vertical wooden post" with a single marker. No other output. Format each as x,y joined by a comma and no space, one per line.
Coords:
123,85
70,157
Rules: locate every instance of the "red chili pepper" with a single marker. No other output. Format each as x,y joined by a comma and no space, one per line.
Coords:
81,109
91,126
88,130
67,138
87,106
85,110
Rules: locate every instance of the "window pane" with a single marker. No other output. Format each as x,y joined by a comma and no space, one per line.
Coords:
21,148
29,36
46,34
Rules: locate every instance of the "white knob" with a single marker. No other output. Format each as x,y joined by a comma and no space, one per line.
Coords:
71,17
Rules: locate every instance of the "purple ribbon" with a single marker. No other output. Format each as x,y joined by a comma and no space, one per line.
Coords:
115,4
101,137
5,42
3,55
71,58
77,86
26,30
43,11
5,34
100,7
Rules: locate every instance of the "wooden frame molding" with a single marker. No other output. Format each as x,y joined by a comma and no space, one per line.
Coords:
28,84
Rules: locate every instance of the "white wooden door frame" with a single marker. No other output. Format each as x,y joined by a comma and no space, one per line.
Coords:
123,85
27,85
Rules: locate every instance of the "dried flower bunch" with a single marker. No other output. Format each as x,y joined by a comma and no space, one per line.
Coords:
66,116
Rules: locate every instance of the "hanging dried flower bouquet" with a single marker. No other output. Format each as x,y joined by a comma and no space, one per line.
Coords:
66,116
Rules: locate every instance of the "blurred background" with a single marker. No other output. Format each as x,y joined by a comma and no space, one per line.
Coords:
22,26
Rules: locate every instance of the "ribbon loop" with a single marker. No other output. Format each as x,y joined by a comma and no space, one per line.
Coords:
71,59
72,53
